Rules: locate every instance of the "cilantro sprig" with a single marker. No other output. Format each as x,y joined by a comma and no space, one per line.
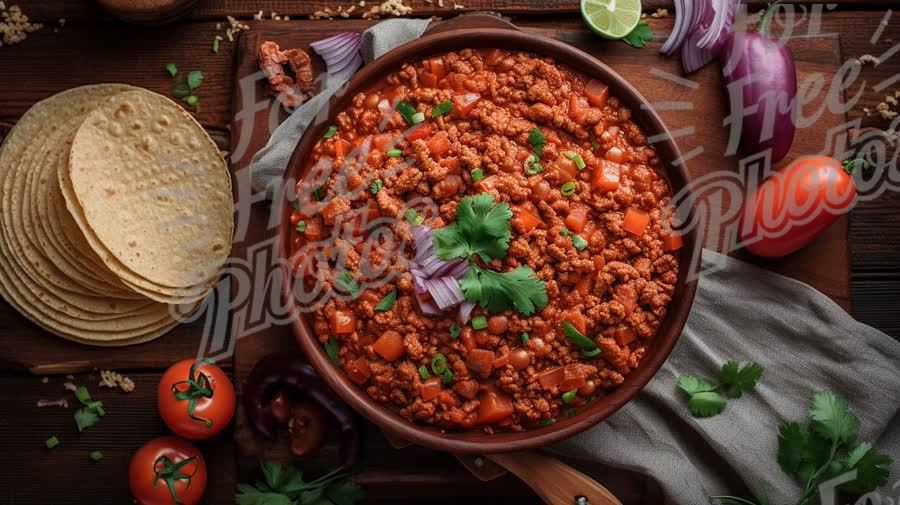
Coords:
824,449
92,411
482,230
705,400
637,37
285,486
184,88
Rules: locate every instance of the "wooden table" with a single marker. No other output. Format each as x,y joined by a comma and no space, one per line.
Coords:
93,47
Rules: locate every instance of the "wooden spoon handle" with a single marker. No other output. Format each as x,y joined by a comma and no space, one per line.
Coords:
554,481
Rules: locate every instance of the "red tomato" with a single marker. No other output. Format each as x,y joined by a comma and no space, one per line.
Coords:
792,207
636,221
494,407
596,93
162,460
207,387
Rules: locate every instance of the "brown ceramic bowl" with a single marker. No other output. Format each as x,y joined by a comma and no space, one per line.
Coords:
476,441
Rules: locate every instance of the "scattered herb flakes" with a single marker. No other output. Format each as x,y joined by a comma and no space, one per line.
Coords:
285,486
704,397
570,412
639,36
548,422
387,302
569,396
455,330
346,282
376,186
52,443
413,217
479,322
442,108
301,226
394,153
295,204
579,243
331,349
737,380
525,338
423,372
407,111
172,69
92,411
181,90
477,175
446,377
195,79
329,133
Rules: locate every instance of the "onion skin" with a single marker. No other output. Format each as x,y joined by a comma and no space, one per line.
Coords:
773,87
290,372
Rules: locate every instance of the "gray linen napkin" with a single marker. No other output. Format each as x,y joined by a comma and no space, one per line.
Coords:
741,312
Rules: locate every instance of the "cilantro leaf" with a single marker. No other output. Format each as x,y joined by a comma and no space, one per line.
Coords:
740,380
496,291
248,495
706,404
831,418
331,349
348,283
172,69
801,451
482,228
537,141
693,385
344,493
637,37
181,90
85,418
872,470
195,79
285,486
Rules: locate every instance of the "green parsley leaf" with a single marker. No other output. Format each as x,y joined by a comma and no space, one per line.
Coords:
285,486
637,37
195,79
216,46
580,341
520,290
482,228
455,330
537,141
347,283
442,108
706,404
344,492
92,411
172,69
331,349
692,385
831,418
376,186
740,380
192,100
387,302
181,90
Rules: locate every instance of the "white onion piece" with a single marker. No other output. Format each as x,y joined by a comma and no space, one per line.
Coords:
684,18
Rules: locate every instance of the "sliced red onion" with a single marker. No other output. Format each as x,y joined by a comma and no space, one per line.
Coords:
684,19
720,22
445,292
341,53
465,312
426,305
694,58
701,27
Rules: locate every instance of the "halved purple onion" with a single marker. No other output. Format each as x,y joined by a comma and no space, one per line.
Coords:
720,23
684,18
445,292
342,54
701,27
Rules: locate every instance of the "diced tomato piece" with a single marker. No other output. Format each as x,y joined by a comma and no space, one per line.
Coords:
605,177
420,131
303,264
437,67
428,79
439,143
358,370
492,56
481,361
599,260
463,104
573,378
627,296
467,338
341,148
313,230
389,346
625,336
577,320
636,221
523,220
596,93
430,388
672,242
489,183
358,141
565,168
551,377
502,361
576,219
452,163
494,407
382,141
343,321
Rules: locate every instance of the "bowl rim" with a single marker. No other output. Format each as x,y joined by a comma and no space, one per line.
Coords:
476,441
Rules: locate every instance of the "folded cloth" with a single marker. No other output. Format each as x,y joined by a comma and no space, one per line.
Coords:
741,312
806,343
268,165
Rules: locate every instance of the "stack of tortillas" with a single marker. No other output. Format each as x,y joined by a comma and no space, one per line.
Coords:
117,214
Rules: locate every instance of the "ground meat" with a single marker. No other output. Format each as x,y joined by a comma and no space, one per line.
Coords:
600,249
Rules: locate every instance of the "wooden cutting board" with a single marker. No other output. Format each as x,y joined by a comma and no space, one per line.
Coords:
402,476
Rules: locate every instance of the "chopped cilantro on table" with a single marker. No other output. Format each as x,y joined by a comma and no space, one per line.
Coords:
705,399
739,380
216,45
639,36
92,411
172,69
195,79
285,486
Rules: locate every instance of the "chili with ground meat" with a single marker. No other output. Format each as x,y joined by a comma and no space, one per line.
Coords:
586,203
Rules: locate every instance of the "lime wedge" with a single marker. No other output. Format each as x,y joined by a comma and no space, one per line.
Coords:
612,19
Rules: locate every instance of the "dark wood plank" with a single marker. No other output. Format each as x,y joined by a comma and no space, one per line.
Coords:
65,476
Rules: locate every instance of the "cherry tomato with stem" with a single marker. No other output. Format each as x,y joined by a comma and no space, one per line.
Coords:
196,399
167,471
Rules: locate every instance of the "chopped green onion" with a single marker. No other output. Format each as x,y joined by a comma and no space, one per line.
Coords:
418,117
52,443
301,226
347,283
569,396
395,153
216,46
455,330
407,111
548,422
439,364
331,349
564,232
570,412
536,168
330,132
587,346
387,302
477,175
442,108
579,161
96,456
525,338
479,322
591,353
423,372
446,377
579,243
82,394
413,217
195,79
568,189
376,186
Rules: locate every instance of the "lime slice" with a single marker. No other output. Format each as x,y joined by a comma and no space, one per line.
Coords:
612,19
